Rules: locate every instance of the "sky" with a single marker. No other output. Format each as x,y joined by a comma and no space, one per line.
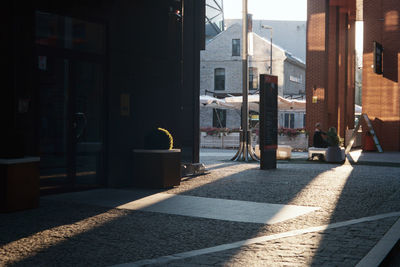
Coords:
268,9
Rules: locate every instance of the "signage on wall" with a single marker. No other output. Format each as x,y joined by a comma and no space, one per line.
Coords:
125,105
378,58
314,99
23,105
42,62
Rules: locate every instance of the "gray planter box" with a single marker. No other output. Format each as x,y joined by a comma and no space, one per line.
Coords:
156,168
334,154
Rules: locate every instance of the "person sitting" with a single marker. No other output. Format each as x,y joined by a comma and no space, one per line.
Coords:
318,140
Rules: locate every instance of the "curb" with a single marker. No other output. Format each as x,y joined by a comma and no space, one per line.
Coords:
379,252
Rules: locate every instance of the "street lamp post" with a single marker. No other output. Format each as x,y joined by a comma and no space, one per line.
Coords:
245,149
270,50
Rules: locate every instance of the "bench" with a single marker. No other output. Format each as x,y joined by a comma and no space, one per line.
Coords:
317,151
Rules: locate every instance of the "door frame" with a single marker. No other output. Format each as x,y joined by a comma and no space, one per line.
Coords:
71,153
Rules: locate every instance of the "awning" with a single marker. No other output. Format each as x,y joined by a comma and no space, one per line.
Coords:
283,103
213,102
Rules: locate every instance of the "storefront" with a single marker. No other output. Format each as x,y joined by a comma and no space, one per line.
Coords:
80,74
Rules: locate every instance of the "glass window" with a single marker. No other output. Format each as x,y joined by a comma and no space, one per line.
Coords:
253,78
296,79
219,118
70,33
219,79
289,120
235,47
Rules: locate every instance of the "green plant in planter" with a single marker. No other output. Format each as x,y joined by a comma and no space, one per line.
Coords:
332,137
333,153
159,138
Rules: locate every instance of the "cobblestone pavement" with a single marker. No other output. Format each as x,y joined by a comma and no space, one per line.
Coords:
65,233
340,247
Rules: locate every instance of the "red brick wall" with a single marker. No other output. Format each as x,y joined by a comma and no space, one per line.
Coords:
316,81
332,93
330,67
381,93
342,59
351,63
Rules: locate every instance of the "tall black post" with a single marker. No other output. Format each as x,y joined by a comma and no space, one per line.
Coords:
268,121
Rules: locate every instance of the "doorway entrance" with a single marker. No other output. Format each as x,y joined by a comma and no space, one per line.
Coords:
71,95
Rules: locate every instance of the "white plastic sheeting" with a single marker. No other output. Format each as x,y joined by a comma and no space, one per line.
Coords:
235,102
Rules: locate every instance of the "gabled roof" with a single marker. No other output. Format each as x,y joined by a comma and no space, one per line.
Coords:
224,32
288,55
294,59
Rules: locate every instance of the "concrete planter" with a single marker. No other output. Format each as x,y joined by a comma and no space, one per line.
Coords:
334,154
230,140
299,142
156,168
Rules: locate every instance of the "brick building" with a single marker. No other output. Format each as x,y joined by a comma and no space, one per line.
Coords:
330,82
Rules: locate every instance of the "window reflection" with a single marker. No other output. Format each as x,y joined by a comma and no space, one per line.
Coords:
70,33
253,78
392,21
219,79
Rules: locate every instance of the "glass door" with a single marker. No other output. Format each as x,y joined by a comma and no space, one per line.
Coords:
55,126
71,116
87,122
70,63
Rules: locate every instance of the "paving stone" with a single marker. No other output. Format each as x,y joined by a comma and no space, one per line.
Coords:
65,233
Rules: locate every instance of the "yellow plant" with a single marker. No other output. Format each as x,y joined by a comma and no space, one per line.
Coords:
171,140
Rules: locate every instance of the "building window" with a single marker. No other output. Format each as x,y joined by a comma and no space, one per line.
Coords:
253,78
219,118
219,79
289,120
235,47
304,120
296,79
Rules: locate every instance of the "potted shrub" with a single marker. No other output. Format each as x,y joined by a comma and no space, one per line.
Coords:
158,164
159,138
334,152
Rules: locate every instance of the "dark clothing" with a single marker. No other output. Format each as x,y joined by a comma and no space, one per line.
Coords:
318,140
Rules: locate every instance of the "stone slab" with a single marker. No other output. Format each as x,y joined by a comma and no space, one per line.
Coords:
220,209
211,208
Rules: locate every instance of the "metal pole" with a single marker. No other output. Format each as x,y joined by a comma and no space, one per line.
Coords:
270,53
270,49
245,148
245,104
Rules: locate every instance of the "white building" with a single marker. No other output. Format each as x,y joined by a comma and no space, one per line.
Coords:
221,74
290,35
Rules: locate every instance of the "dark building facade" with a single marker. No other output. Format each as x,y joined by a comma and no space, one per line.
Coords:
84,81
330,75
